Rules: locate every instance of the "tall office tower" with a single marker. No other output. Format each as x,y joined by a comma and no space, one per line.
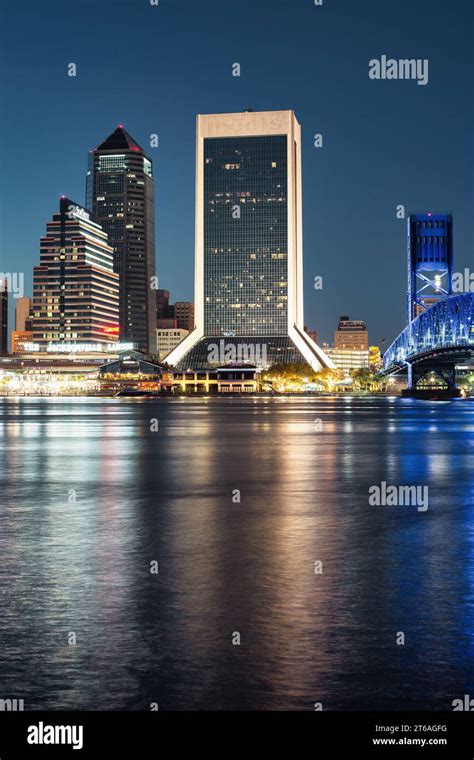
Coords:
351,334
22,314
430,261
248,244
120,192
75,290
3,316
184,315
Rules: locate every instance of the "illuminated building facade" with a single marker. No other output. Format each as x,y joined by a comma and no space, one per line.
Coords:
228,380
351,334
348,358
130,373
430,261
375,358
75,290
120,193
248,242
167,339
20,340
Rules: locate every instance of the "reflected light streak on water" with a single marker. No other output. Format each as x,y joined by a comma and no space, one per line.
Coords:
90,497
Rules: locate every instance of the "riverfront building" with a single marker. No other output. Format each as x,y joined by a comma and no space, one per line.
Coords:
248,242
75,290
120,193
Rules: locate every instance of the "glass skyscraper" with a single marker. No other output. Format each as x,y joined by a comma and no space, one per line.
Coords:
120,193
248,280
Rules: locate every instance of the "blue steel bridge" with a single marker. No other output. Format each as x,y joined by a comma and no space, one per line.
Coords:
434,342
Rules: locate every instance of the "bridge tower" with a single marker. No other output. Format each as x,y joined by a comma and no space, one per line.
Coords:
430,261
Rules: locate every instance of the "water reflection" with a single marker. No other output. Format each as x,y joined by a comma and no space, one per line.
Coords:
91,496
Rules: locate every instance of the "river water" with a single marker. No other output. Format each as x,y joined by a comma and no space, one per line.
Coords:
220,553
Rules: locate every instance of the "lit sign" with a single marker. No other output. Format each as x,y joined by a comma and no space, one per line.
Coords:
76,348
78,212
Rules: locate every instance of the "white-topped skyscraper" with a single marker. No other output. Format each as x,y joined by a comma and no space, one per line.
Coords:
248,244
75,290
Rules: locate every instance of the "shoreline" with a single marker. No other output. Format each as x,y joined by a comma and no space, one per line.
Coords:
226,395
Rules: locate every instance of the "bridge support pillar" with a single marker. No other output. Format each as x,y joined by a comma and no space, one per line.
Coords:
441,368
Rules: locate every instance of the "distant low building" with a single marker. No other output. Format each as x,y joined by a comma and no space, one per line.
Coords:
20,339
179,314
312,334
351,334
348,358
184,315
164,310
168,339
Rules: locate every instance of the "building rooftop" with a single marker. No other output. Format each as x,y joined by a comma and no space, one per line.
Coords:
119,140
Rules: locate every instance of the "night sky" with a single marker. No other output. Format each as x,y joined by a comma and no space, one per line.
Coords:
154,68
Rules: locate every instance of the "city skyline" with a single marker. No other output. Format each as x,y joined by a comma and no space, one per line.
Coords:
424,257
236,249
416,252
373,158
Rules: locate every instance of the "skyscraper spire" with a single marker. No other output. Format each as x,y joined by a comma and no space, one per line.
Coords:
119,140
